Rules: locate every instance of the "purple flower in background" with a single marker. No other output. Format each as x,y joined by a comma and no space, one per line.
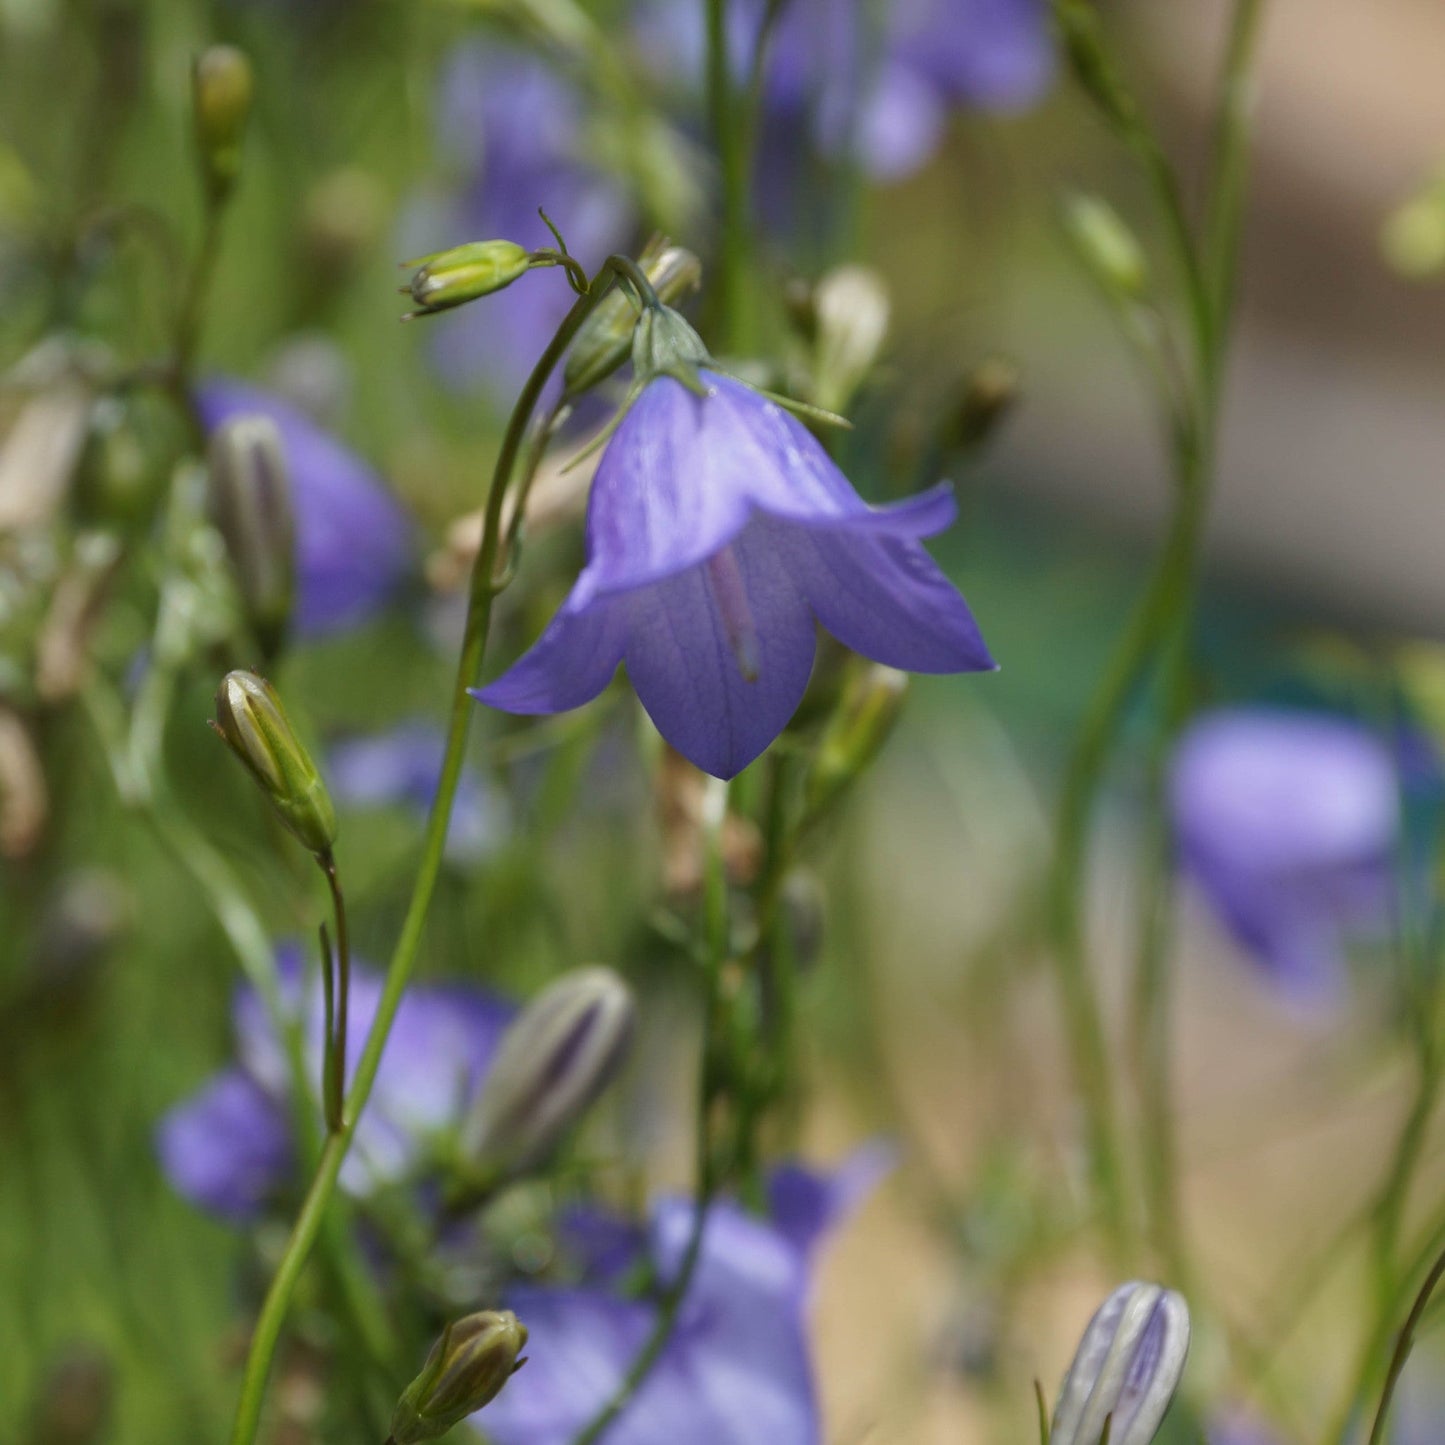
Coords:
353,539
517,129
1289,822
718,533
401,768
877,88
1240,1427
736,1368
229,1148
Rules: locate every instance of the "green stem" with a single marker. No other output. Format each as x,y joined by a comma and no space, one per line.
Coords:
1402,1349
469,663
731,142
715,927
336,1045
198,286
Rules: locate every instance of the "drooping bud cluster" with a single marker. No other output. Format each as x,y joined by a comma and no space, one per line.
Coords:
222,84
556,1058
1126,1369
605,340
250,718
250,504
465,1370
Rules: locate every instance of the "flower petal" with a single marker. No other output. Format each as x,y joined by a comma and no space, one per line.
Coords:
684,473
570,663
883,597
683,657
228,1148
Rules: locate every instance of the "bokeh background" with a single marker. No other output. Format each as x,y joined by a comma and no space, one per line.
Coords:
931,1015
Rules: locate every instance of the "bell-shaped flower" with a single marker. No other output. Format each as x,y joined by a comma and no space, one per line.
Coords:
719,532
736,1367
229,1148
353,539
1290,824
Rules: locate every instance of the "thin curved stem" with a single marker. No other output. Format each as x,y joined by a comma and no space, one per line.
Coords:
1403,1347
483,592
728,136
336,1043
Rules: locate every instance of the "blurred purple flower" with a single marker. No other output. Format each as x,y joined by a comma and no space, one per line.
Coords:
229,1148
401,768
1289,822
880,90
516,128
736,1368
718,533
1240,1427
353,538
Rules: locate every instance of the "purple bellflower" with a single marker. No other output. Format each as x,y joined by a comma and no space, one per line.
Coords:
229,1148
353,539
1289,823
719,532
736,1368
879,91
401,768
517,128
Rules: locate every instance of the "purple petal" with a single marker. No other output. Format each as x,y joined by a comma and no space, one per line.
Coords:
883,597
805,1204
990,54
902,124
720,656
228,1148
684,473
567,666
353,539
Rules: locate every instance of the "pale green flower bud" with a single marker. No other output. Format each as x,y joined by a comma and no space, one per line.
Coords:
556,1058
851,311
464,273
1107,247
605,340
250,718
248,497
222,85
1126,1370
465,1370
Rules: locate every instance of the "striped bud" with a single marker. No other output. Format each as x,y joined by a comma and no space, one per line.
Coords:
1126,1369
465,1370
465,273
250,718
556,1058
249,500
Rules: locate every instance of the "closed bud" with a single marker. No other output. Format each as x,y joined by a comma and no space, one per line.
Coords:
1413,236
556,1058
250,718
1106,246
222,84
856,732
465,273
851,313
465,1370
988,396
605,340
1126,1370
249,501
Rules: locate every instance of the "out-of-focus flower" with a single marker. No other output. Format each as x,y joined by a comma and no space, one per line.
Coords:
880,91
1289,822
736,1366
353,539
517,130
718,533
1126,1369
1239,1427
229,1147
401,768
